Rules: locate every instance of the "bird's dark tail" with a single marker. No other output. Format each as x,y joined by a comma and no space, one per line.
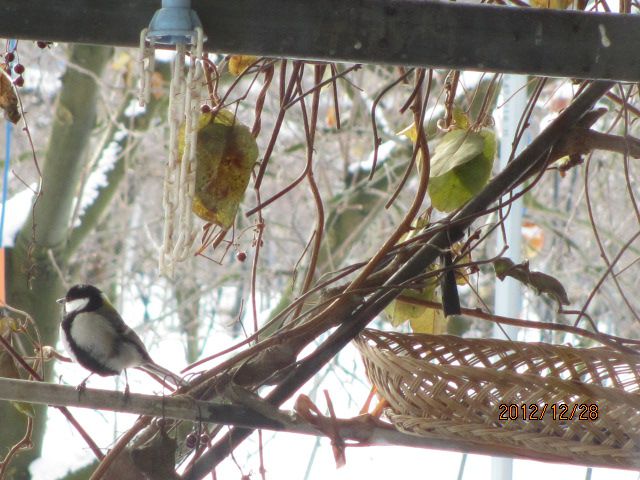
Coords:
163,373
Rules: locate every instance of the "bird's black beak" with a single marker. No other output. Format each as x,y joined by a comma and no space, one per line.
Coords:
60,300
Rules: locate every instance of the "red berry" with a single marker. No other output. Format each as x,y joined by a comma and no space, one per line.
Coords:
204,439
18,81
9,57
205,108
42,44
241,256
18,68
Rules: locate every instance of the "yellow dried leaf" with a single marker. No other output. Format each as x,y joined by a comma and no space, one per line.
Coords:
122,60
430,320
410,306
410,132
461,119
553,4
8,325
25,408
418,224
462,273
239,63
225,153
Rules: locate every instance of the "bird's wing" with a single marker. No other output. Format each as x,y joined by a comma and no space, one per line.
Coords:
127,334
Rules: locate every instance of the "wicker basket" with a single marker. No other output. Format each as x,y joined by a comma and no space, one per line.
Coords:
492,393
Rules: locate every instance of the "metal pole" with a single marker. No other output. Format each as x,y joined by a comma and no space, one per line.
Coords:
508,296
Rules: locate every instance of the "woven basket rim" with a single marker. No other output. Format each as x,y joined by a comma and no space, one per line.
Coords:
458,383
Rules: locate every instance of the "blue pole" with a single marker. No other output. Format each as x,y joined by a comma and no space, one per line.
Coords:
7,157
5,177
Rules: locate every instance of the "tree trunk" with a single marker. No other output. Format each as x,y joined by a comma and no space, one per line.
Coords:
32,281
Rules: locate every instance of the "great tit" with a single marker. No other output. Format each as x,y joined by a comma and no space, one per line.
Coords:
96,337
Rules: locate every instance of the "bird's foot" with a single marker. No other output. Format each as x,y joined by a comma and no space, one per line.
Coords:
82,386
127,391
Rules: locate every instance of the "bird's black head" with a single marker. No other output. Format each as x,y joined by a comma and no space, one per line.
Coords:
82,298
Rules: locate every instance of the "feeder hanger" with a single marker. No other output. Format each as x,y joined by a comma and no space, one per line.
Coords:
173,24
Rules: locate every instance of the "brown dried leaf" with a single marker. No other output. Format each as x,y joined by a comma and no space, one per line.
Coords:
157,85
8,98
156,459
541,282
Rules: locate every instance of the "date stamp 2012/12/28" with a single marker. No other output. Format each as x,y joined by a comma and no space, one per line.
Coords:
557,411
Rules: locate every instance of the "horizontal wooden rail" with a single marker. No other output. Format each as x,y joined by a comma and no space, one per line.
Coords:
401,32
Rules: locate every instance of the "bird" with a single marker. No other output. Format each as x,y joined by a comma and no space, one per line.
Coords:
95,336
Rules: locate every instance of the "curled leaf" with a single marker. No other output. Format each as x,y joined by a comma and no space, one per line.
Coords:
539,281
460,168
456,148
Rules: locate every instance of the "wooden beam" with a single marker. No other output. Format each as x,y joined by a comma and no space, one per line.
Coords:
402,32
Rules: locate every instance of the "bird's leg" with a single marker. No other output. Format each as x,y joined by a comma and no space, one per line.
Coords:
82,386
127,392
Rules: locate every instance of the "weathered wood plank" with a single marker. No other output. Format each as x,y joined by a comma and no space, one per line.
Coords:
406,32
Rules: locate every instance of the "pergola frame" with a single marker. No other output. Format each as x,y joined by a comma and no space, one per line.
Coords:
401,32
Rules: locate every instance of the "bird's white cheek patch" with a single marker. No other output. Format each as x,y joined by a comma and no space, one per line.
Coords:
75,305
